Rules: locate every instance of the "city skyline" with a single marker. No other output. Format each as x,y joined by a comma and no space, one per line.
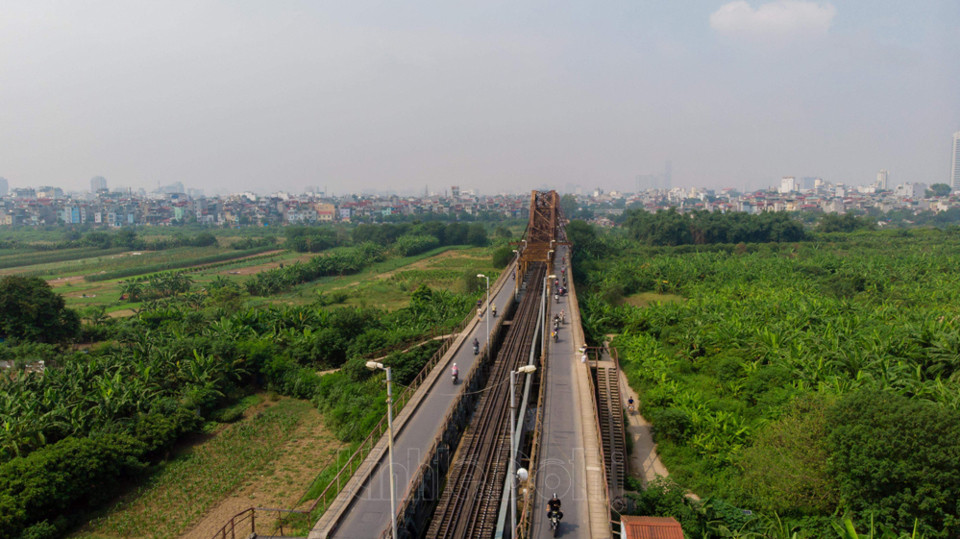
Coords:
493,97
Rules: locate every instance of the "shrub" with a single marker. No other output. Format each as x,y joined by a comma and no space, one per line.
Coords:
671,424
896,458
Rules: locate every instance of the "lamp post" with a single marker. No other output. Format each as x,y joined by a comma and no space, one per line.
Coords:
546,301
482,276
513,447
374,365
550,259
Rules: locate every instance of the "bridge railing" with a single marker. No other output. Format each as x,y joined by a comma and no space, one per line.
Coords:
337,482
340,480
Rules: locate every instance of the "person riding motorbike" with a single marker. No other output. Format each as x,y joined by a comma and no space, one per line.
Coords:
555,337
553,507
476,347
455,372
493,310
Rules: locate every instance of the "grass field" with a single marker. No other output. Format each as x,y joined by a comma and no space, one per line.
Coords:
266,459
388,285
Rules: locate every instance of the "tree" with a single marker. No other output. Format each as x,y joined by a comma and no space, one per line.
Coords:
569,206
939,189
31,311
896,458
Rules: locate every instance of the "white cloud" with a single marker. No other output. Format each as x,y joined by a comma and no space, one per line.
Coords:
782,19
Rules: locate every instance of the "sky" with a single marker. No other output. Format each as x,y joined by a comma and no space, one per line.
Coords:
493,96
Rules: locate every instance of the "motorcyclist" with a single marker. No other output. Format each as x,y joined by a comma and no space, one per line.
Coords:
553,506
562,317
455,372
493,310
554,335
476,346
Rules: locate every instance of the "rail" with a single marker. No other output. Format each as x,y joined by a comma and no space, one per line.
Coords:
420,474
596,425
524,522
236,526
336,484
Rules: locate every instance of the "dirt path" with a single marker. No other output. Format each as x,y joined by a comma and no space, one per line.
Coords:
644,461
280,486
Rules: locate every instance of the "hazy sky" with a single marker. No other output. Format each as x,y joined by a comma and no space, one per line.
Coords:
489,95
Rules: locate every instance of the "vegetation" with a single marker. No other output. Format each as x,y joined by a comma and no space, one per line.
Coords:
174,264
169,369
30,311
671,227
798,380
186,487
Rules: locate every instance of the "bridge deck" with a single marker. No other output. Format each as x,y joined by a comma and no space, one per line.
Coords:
367,513
570,462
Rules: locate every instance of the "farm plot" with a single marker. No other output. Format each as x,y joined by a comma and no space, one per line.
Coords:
266,459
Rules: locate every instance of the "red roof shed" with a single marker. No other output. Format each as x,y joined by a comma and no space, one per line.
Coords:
650,528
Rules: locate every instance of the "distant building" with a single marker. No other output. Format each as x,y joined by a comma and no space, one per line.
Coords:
808,183
47,191
911,190
4,186
788,184
97,184
883,178
175,187
455,191
955,171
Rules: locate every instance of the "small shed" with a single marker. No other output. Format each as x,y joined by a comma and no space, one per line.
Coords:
650,528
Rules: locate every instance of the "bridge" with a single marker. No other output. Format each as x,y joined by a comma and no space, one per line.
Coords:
551,402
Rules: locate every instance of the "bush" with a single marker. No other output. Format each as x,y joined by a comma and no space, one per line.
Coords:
896,458
671,424
502,256
62,479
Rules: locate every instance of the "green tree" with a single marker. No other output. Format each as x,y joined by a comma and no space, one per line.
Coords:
939,189
896,458
786,467
31,311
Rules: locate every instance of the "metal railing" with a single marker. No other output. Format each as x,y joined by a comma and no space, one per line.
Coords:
336,484
237,525
334,487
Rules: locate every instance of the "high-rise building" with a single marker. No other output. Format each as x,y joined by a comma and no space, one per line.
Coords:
788,184
4,186
955,171
97,183
883,177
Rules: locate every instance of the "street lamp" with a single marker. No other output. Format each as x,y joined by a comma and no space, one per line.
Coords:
527,369
482,276
546,301
374,365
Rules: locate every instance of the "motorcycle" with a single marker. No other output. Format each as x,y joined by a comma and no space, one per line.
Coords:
456,379
557,297
555,522
476,349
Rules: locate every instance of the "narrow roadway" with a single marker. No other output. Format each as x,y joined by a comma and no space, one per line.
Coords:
370,513
562,464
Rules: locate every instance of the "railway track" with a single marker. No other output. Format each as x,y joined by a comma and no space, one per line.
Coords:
470,502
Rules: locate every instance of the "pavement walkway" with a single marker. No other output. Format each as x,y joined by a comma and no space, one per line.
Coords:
368,513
